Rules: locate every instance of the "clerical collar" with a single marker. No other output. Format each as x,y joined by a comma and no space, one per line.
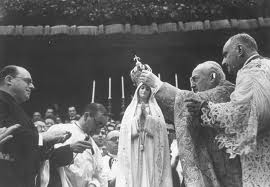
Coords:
75,123
251,58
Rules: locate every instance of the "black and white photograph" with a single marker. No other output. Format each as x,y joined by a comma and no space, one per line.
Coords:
134,93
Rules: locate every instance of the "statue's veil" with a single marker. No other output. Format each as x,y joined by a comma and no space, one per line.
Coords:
124,177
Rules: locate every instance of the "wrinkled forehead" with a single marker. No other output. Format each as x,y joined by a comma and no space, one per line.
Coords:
227,45
200,70
195,73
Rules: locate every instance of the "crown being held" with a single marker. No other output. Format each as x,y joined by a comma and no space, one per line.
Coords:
137,70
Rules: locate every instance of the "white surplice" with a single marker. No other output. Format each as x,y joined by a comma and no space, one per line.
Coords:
245,121
87,168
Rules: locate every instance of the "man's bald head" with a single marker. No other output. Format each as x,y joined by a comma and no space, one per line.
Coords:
209,67
245,40
206,75
237,50
16,81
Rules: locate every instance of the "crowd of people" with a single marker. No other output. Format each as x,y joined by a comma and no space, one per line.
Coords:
218,137
51,117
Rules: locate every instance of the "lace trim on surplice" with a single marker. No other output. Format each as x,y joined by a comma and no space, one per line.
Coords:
240,126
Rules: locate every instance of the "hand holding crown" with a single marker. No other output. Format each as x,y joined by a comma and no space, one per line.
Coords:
139,65
137,70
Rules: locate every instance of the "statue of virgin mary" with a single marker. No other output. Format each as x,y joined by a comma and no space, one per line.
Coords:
143,153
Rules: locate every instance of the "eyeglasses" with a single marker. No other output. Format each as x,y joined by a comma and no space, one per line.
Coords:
28,81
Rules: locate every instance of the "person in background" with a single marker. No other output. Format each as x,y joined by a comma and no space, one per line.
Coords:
41,126
37,116
49,112
58,120
110,160
100,140
72,114
110,126
49,121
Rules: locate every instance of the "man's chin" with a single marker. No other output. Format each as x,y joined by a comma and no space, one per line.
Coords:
195,90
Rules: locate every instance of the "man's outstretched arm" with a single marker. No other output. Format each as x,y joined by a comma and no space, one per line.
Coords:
164,93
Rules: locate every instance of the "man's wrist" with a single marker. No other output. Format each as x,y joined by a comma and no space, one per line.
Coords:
204,104
158,84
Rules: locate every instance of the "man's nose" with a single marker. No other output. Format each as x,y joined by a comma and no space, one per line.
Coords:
192,84
32,86
224,62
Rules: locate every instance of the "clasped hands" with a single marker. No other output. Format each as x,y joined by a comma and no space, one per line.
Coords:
142,111
194,106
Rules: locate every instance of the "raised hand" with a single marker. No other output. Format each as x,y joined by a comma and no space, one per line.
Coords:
149,79
194,106
57,136
6,133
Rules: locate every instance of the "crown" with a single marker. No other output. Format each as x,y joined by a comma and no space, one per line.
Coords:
137,70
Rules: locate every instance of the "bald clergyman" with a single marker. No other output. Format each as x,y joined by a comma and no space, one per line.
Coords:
204,164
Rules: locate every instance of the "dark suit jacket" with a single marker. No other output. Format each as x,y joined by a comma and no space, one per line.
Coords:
61,156
23,147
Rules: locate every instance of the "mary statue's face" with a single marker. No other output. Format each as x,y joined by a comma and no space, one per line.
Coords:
144,93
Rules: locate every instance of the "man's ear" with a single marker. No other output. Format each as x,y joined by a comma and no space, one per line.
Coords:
240,50
213,77
8,80
86,115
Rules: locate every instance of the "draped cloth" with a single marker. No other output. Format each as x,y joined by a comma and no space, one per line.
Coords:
150,167
86,169
245,122
203,164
